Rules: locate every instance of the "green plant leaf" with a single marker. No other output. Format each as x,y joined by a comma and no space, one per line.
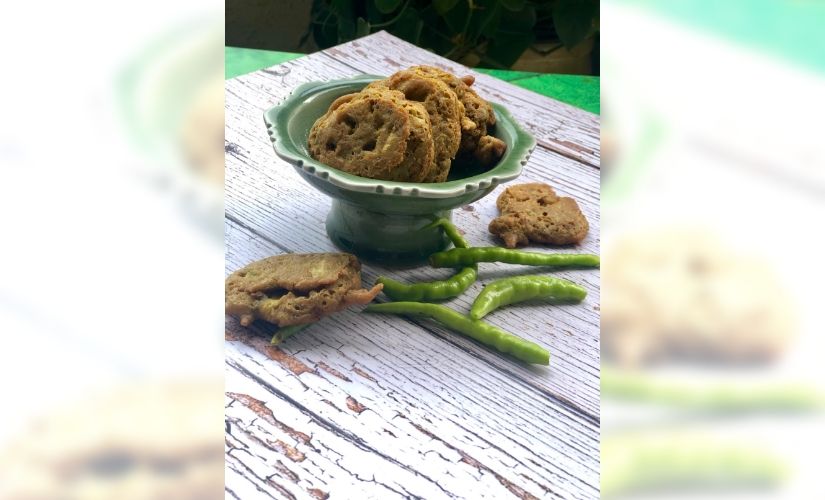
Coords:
346,30
456,18
485,19
503,50
374,16
433,35
511,39
408,27
387,6
573,20
325,35
514,5
362,27
444,6
345,13
518,22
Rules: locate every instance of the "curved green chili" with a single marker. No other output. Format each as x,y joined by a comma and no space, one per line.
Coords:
285,332
460,257
434,290
451,231
520,288
481,331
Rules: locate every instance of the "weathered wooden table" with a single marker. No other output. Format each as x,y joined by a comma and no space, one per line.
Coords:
373,406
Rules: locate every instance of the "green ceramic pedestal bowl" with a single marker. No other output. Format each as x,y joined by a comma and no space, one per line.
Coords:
378,220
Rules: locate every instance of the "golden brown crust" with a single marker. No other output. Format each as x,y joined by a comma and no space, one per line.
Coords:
533,212
489,150
364,134
419,161
292,289
478,113
445,112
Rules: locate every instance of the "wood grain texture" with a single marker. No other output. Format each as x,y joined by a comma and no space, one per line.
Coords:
379,406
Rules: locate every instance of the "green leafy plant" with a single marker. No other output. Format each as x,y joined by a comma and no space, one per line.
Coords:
495,32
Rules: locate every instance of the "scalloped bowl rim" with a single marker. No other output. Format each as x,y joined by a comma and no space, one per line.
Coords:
509,167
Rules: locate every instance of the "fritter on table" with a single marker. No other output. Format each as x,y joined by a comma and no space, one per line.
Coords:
533,212
294,289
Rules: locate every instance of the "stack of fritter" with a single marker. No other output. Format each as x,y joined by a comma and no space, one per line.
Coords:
409,127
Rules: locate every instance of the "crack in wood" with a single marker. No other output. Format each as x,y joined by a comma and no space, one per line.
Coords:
290,451
260,409
318,494
272,242
283,469
330,403
233,149
291,363
354,405
466,458
281,488
363,373
332,371
406,493
543,487
324,423
252,473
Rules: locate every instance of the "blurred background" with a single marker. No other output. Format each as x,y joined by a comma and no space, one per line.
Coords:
111,153
712,193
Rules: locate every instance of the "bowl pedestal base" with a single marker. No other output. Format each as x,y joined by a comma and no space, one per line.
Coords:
385,238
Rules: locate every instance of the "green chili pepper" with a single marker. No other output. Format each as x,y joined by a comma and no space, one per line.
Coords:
285,332
481,331
460,257
434,290
451,231
520,288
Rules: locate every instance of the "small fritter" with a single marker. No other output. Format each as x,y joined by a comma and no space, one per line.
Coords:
444,109
419,159
533,212
294,289
376,133
489,150
478,114
362,135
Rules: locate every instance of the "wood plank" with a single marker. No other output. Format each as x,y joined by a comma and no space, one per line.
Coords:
404,393
355,394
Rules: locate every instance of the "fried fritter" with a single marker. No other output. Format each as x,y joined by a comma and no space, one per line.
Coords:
444,109
294,289
478,114
533,212
376,133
